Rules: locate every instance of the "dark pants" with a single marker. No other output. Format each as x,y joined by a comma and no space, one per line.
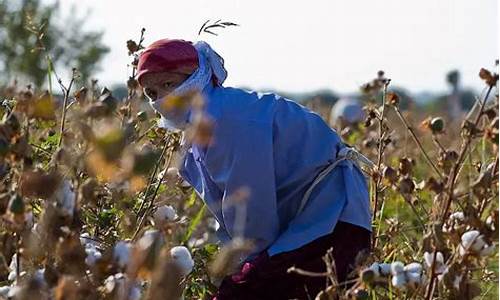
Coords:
267,278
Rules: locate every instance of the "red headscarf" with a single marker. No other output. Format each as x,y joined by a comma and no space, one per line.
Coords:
167,55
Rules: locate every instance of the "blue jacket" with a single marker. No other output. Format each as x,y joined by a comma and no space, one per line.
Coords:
274,148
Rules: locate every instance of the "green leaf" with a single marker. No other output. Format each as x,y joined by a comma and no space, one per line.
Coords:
194,223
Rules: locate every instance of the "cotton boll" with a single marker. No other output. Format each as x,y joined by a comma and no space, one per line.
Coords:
13,268
397,267
65,198
113,282
92,256
478,244
173,172
385,269
213,224
164,213
429,258
183,259
413,278
459,216
185,184
4,291
88,241
121,253
375,267
490,223
399,281
413,268
468,238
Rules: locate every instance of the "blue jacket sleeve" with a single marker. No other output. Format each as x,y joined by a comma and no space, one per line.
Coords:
241,158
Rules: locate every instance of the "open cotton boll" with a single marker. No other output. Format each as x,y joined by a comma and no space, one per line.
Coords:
164,213
13,268
399,281
440,267
92,255
375,267
121,253
414,278
385,269
87,241
413,268
116,283
468,238
172,172
182,258
4,291
185,184
397,267
459,216
65,198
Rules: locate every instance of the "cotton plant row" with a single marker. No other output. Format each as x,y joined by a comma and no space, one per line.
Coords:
121,255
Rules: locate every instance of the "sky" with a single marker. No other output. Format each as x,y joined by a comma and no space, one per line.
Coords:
301,46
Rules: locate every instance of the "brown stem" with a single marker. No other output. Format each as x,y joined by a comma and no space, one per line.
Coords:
65,104
417,141
381,136
151,202
461,156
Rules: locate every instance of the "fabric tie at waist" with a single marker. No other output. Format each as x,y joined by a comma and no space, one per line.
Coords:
346,153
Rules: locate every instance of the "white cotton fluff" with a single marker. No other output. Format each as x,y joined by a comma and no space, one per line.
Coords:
213,224
385,269
468,238
182,258
185,184
440,267
473,241
459,216
490,223
4,291
92,256
413,268
397,267
117,283
414,278
399,281
87,241
121,253
65,198
164,213
173,172
375,268
13,268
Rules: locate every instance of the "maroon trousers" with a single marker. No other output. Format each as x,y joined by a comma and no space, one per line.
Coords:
267,277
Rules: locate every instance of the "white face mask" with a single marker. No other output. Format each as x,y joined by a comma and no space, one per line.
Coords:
210,63
173,119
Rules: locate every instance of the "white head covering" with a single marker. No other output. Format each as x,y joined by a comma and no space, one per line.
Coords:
209,64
